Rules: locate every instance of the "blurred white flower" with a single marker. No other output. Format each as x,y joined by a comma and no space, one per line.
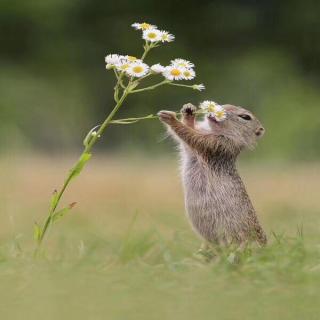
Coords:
182,63
143,26
152,35
113,59
220,113
157,68
214,110
208,106
123,62
173,73
199,87
137,69
123,65
166,36
188,74
131,59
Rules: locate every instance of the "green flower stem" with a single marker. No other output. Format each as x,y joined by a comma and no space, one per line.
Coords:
148,117
118,85
146,76
180,85
86,151
121,91
147,47
106,122
151,87
89,142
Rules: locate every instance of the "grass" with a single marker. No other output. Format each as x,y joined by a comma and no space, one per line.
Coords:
127,252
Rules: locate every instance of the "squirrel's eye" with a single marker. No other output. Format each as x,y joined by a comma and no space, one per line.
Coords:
245,116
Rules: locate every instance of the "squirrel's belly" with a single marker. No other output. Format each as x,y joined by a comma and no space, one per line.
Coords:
214,223
214,207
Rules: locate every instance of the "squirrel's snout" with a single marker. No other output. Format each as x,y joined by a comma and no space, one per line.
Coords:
260,132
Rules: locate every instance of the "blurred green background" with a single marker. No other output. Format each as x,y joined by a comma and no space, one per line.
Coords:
263,55
126,251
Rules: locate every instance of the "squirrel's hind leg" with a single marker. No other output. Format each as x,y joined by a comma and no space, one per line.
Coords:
208,251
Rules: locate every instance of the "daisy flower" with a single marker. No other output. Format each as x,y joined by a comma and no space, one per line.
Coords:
209,106
152,35
199,87
182,63
132,59
173,73
113,59
137,69
214,110
143,26
220,113
166,36
123,65
157,68
188,74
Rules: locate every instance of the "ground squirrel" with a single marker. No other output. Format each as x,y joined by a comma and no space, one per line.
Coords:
216,200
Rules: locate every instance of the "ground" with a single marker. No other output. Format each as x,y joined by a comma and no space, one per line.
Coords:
126,251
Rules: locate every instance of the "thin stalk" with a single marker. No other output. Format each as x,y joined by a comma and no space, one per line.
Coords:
151,87
121,91
106,122
147,48
180,85
86,150
90,141
148,117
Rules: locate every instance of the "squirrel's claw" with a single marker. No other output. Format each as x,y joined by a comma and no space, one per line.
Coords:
167,116
188,109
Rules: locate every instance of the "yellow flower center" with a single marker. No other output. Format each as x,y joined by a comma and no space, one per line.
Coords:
145,26
187,73
211,107
175,72
152,35
137,69
219,114
124,66
132,58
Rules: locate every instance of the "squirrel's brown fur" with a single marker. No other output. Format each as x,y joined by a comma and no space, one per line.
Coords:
216,200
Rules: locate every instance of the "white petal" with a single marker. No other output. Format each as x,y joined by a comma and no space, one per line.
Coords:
158,68
152,35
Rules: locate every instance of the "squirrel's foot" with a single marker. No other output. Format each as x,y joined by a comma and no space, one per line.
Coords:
206,253
167,117
188,114
188,109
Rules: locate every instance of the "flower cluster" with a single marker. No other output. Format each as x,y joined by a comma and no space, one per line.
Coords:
151,33
214,110
179,69
132,67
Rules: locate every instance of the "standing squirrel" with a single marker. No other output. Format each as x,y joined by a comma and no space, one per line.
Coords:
216,200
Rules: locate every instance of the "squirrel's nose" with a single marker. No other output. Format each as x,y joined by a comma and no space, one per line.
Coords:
260,131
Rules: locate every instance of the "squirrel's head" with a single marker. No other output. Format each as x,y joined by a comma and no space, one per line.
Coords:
240,126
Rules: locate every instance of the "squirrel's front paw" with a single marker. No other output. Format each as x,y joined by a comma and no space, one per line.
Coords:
188,109
167,116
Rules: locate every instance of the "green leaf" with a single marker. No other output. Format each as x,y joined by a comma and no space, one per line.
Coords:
85,157
88,137
54,200
37,232
61,213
